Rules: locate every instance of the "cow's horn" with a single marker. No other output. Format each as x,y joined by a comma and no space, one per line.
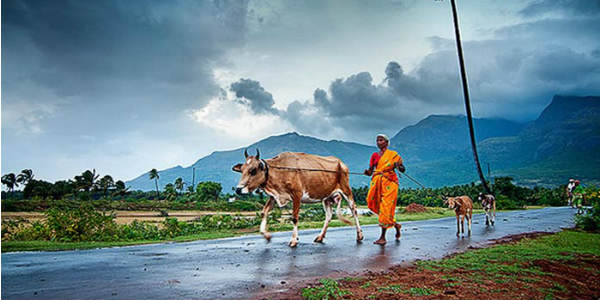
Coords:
257,154
246,153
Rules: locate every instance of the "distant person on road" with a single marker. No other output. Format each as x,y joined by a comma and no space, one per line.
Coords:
383,190
579,196
569,191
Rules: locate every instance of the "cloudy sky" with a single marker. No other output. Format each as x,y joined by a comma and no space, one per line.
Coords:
126,86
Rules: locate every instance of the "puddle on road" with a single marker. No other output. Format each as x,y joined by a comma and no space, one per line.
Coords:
150,254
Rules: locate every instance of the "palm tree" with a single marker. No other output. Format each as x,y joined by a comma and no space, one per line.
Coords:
170,191
179,184
106,183
88,180
25,176
463,74
154,175
10,181
120,188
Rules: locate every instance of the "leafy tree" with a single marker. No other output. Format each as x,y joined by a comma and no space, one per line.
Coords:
120,189
62,188
38,188
106,183
170,191
208,190
10,181
25,176
179,184
190,189
87,180
154,175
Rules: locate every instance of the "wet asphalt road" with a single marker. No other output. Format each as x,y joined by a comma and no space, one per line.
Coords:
241,267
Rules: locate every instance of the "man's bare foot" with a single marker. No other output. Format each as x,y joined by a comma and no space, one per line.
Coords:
379,242
398,227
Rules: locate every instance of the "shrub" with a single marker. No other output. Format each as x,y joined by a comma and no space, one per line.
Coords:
590,220
81,224
503,202
242,205
312,213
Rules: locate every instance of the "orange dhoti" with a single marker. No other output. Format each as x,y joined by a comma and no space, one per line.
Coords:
383,190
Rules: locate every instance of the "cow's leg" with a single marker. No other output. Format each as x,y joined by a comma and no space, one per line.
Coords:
328,214
462,224
265,214
352,205
295,213
494,215
487,219
457,225
469,221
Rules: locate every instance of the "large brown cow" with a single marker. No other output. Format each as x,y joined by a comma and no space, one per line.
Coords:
463,207
295,177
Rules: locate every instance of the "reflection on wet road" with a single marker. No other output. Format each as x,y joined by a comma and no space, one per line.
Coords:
239,267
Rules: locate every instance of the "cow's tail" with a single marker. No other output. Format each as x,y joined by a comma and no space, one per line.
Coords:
342,178
339,211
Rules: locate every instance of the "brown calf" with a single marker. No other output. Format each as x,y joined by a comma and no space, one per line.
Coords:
463,207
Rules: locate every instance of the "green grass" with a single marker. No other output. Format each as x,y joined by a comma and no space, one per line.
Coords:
394,288
505,261
501,264
328,289
11,246
422,292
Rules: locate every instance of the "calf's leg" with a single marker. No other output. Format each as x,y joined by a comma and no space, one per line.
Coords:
469,221
457,225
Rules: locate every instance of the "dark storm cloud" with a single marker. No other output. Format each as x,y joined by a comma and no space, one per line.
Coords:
109,48
80,75
575,7
110,61
513,76
250,92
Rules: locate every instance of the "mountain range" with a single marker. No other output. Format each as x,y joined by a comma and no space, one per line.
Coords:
563,142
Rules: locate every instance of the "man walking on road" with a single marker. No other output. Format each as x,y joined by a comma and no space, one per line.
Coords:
569,191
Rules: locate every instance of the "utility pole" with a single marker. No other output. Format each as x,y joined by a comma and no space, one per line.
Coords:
193,178
463,74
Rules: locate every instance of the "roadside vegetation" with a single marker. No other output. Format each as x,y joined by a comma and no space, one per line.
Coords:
80,213
557,266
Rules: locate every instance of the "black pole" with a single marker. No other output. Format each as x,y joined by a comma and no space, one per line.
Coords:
463,74
193,178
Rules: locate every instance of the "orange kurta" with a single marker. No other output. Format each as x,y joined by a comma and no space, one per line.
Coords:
383,191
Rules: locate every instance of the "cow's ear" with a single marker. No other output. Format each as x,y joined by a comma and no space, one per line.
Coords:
237,168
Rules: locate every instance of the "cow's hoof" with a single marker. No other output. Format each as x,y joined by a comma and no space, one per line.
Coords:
457,234
319,239
359,236
493,223
293,243
267,237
